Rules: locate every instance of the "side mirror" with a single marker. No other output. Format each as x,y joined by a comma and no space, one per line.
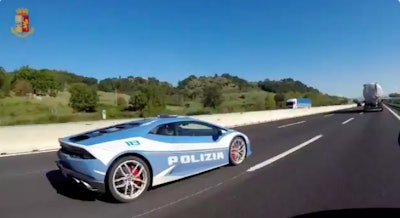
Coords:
217,134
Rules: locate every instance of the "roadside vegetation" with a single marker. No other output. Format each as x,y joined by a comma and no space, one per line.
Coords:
395,101
33,96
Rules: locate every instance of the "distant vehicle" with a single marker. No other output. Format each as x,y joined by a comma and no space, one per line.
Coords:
298,103
124,160
373,97
357,102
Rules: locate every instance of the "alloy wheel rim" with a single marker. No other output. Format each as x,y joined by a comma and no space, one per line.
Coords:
130,179
238,150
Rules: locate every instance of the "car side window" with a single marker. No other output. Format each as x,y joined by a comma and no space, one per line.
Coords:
164,129
194,129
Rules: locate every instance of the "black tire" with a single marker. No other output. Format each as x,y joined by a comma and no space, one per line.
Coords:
110,189
231,158
398,139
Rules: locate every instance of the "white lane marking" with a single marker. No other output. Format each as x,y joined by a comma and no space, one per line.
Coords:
391,111
348,120
28,153
189,196
361,113
177,201
232,178
279,156
291,124
329,115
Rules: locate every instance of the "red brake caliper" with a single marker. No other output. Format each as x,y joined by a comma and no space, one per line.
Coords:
233,153
135,173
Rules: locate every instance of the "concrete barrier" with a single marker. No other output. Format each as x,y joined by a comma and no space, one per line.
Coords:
33,138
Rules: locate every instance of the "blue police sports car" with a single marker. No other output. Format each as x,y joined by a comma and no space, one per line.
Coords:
124,160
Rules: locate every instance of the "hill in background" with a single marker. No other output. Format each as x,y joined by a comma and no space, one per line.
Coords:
30,95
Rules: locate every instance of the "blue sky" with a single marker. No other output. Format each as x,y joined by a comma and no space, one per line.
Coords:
335,46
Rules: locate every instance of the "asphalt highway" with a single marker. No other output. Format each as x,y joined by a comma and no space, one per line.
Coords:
344,163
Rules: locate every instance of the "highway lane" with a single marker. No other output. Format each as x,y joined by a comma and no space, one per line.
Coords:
352,166
31,186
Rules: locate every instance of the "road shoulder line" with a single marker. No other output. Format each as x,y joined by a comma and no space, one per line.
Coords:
284,154
391,111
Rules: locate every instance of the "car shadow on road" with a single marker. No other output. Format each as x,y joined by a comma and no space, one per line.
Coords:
350,213
69,189
349,111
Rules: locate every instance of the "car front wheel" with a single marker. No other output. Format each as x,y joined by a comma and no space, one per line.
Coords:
237,151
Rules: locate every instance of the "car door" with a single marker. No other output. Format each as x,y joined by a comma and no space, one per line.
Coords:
197,147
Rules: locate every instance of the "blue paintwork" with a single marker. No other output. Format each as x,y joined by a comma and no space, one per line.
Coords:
159,160
249,151
84,166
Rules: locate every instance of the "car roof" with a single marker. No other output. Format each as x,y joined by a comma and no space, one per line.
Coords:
152,122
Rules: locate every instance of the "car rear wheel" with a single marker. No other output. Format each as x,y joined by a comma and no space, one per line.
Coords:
237,151
128,178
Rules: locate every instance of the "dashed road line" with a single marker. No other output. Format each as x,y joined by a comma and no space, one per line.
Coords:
256,167
328,115
291,124
345,122
282,155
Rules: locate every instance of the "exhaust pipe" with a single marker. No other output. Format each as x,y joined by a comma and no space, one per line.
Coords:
87,185
83,183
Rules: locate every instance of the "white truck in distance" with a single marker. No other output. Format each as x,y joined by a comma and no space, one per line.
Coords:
373,97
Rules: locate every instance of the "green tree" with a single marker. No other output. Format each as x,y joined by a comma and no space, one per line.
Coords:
83,98
3,78
138,101
22,87
394,95
121,102
155,99
269,102
44,83
106,85
212,96
4,84
279,99
149,101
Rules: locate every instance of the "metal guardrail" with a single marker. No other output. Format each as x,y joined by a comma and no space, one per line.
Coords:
395,106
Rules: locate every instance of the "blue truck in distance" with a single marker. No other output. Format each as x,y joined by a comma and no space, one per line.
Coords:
298,103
